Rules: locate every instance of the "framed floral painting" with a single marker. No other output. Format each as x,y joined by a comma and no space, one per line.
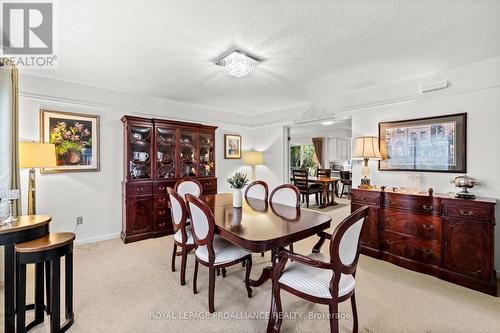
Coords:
76,137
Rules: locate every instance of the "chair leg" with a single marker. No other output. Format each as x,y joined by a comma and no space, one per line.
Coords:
316,196
291,247
211,289
174,254
275,317
262,254
307,201
21,299
183,265
354,314
334,319
342,192
195,276
217,271
247,275
224,272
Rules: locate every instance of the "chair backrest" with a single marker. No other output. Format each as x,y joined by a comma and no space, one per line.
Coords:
286,194
346,242
202,224
257,190
300,178
191,186
324,173
178,211
345,175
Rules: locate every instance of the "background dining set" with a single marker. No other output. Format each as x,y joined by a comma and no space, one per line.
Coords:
222,236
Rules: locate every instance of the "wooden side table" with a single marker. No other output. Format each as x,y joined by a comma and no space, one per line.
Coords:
24,229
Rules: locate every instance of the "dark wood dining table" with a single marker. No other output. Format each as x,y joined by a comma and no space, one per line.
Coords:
260,226
24,229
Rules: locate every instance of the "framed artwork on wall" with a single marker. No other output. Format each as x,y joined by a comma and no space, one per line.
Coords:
76,137
434,144
232,146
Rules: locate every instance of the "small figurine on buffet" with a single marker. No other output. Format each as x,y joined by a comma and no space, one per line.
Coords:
465,182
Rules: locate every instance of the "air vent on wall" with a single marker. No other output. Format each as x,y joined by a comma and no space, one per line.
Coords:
434,87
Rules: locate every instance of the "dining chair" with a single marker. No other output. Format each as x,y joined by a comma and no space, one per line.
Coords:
300,179
345,179
191,186
325,173
183,237
212,250
257,190
288,195
320,279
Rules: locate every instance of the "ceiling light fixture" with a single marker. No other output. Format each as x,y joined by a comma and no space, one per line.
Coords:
327,123
238,63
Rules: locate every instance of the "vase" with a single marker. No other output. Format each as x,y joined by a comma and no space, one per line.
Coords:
237,198
73,157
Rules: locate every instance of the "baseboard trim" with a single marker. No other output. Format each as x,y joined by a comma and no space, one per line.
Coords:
96,239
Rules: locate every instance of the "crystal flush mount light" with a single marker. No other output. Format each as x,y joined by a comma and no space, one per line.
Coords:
238,63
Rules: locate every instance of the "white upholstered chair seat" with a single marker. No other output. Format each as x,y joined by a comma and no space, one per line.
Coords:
224,251
178,236
314,281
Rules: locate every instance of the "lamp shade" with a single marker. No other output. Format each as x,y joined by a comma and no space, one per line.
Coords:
37,155
253,158
366,147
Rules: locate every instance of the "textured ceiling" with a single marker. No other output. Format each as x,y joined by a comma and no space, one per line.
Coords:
310,48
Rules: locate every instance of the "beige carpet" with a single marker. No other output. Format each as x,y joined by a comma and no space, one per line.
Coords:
119,288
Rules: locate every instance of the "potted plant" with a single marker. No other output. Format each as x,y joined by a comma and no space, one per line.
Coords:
70,142
237,182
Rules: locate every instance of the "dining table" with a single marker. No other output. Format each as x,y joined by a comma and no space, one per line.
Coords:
325,182
260,226
25,228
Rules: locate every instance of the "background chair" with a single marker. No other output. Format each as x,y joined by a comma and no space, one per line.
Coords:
182,232
211,250
301,181
345,179
191,186
257,190
319,280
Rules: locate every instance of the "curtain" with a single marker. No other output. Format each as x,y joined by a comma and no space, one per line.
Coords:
9,130
318,147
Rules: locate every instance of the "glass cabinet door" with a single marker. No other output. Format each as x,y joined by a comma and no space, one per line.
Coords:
207,158
165,152
188,154
140,149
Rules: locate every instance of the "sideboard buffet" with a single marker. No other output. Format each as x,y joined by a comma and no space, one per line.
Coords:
157,153
447,237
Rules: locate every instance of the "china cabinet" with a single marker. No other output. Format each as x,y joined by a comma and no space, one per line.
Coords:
157,153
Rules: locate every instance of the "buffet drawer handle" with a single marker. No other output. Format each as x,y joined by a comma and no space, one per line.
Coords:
162,200
466,213
427,207
161,188
162,212
388,220
389,242
428,252
389,202
476,272
140,189
162,224
427,226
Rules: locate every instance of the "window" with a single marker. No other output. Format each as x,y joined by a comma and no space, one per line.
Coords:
303,157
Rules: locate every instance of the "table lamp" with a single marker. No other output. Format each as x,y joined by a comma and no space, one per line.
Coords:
366,148
253,158
35,155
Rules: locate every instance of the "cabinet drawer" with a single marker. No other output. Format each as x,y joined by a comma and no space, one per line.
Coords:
209,185
425,226
366,197
162,225
162,213
417,249
413,203
468,212
161,201
136,189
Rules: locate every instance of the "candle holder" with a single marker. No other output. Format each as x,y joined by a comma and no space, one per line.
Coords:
10,195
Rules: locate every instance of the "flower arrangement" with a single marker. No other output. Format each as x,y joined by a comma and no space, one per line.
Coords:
70,141
238,180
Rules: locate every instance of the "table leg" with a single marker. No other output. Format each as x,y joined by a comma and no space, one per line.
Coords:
266,274
333,203
9,317
325,195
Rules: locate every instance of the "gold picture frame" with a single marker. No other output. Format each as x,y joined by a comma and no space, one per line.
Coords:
76,137
232,146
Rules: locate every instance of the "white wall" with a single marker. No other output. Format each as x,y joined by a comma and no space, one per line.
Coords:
269,139
97,195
